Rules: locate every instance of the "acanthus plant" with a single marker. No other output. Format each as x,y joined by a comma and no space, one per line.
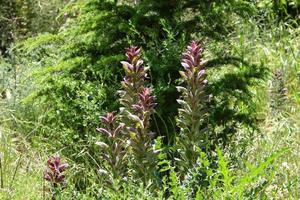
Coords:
54,174
192,101
113,147
138,106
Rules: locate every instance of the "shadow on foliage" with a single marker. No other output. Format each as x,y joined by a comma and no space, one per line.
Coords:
232,104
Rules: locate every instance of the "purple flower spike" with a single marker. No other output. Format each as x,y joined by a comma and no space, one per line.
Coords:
192,102
138,106
113,143
54,172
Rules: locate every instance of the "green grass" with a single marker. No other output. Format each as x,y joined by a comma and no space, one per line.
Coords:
279,127
21,167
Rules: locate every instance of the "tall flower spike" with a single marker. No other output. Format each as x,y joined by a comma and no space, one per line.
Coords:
192,104
113,146
138,105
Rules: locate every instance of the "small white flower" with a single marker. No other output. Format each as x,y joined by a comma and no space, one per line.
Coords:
285,165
